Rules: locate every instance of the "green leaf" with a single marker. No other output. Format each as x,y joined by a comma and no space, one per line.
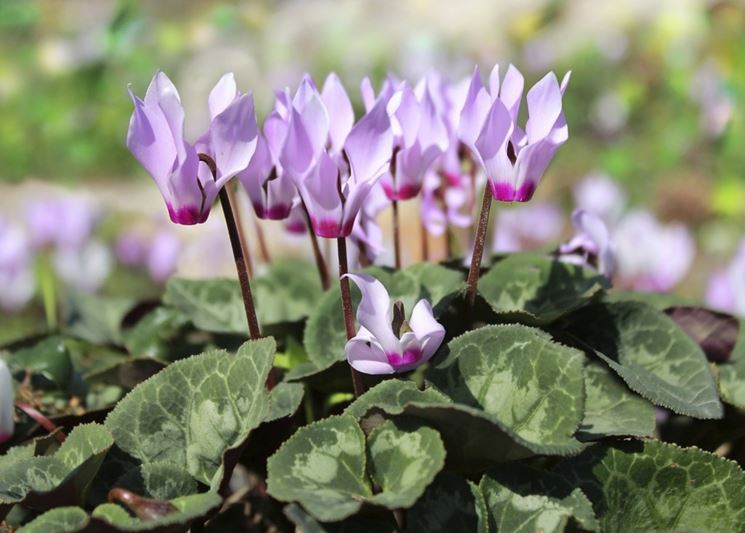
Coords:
450,503
732,373
160,480
325,336
658,300
160,334
651,354
284,400
212,305
127,373
653,486
286,293
42,482
59,520
188,509
538,289
528,384
405,456
96,319
194,410
323,466
391,396
48,357
521,499
611,409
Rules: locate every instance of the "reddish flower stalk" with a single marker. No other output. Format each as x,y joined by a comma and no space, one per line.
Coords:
396,235
346,304
239,225
424,234
478,249
323,270
42,420
238,255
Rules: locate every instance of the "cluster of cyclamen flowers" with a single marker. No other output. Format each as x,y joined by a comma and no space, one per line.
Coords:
311,157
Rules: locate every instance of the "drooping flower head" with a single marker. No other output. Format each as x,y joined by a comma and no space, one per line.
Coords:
156,139
591,245
334,176
386,342
514,159
7,396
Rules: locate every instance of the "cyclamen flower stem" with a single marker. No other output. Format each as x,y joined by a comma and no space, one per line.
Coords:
424,234
346,305
42,420
262,242
396,235
323,270
239,225
478,248
238,256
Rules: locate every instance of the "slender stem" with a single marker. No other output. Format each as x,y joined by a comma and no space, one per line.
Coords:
42,420
346,305
241,235
263,248
396,235
448,242
47,285
424,235
323,270
238,256
478,248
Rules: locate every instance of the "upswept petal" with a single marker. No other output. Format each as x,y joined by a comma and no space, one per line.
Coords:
162,93
233,135
320,192
340,112
222,95
370,144
428,331
297,156
491,147
374,311
404,110
544,108
511,92
474,111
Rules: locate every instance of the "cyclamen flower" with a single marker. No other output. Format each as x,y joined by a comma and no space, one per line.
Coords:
726,288
85,268
651,256
420,138
388,344
156,139
514,159
7,425
65,222
527,226
334,170
600,195
591,246
16,268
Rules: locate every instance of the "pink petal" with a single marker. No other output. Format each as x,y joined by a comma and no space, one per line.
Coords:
367,356
544,107
341,114
233,136
374,311
370,144
474,110
222,95
428,331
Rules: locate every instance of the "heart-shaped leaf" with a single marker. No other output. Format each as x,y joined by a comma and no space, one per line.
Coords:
323,466
391,396
651,353
528,384
653,486
523,499
538,289
194,410
611,409
43,482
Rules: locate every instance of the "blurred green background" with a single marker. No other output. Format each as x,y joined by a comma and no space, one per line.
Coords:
653,81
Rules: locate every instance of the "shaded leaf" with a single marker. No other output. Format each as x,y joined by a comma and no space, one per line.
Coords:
715,332
212,305
97,319
521,499
732,373
284,400
538,289
196,409
159,334
651,353
653,486
450,503
391,396
49,358
59,520
611,409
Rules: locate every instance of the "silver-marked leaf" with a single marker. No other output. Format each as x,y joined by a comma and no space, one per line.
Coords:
212,305
43,482
160,480
732,373
522,499
287,292
450,503
538,289
611,409
196,409
653,486
159,334
391,396
97,319
284,400
651,353
59,520
405,456
188,508
530,385
322,466
438,283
